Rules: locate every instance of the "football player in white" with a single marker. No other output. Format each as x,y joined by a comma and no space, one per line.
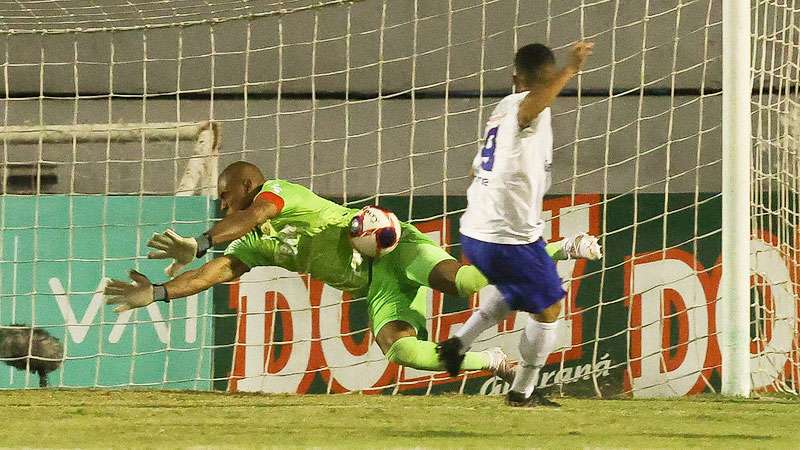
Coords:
501,230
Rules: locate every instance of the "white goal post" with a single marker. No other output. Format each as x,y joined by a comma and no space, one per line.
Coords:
737,82
82,133
199,175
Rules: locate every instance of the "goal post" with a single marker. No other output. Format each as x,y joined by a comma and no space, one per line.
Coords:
83,133
202,169
734,301
199,177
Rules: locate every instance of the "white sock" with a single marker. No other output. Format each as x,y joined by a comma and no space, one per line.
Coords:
536,343
492,310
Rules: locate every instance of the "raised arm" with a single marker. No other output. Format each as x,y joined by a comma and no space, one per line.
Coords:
542,94
141,292
238,223
233,226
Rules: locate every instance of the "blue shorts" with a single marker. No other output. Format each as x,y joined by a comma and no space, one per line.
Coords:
524,274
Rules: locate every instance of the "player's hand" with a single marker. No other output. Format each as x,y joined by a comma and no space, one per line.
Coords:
172,245
580,52
129,295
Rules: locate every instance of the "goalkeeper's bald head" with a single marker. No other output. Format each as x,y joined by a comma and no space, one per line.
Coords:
242,170
237,185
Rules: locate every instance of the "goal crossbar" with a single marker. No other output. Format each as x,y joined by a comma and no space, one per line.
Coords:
86,133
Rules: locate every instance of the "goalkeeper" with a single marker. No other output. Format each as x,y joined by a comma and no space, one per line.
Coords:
277,223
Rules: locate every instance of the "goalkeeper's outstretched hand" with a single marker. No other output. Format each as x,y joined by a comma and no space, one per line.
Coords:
129,295
172,245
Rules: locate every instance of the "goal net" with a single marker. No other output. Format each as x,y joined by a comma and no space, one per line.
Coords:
110,112
774,196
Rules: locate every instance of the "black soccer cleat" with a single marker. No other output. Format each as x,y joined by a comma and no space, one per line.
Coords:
518,400
450,354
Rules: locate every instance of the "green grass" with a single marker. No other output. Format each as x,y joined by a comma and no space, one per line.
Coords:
79,418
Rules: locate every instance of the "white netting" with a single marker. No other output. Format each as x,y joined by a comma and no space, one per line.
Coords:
115,15
370,101
774,203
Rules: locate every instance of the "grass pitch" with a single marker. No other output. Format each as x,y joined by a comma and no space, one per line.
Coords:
79,418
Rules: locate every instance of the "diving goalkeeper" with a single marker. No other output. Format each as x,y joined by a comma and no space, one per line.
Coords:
278,223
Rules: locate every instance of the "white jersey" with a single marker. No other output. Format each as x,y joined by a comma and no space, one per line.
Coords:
512,175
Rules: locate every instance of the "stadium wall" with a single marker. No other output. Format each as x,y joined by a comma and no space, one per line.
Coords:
431,157
432,70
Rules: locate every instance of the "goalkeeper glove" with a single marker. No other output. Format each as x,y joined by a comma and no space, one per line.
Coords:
137,294
182,249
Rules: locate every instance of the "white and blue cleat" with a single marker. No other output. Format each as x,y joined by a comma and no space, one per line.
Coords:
583,246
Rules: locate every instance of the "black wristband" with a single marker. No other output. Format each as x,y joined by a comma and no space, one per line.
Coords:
203,244
160,293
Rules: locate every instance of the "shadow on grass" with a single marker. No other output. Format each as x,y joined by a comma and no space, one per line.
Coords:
422,434
759,437
483,434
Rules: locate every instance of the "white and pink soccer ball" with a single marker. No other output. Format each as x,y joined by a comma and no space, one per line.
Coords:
374,231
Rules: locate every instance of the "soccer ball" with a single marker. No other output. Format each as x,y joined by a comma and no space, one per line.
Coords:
374,231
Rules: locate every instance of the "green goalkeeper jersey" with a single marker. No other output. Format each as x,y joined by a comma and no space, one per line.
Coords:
308,235
311,235
302,209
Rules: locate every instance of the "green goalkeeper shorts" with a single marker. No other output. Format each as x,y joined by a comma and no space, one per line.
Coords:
398,289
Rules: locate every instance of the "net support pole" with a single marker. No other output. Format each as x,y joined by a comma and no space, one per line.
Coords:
734,307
